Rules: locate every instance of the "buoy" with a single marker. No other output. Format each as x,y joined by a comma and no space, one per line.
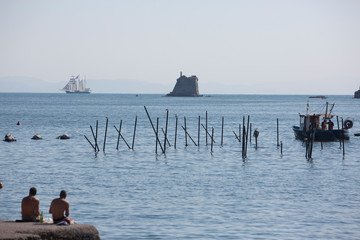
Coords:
18,123
348,124
1,185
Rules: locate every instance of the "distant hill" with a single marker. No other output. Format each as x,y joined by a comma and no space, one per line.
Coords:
29,84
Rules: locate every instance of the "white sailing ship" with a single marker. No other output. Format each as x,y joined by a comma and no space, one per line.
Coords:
76,85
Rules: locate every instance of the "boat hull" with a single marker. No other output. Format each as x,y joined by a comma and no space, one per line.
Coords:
77,92
323,135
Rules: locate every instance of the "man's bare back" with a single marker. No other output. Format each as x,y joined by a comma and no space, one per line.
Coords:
58,207
30,207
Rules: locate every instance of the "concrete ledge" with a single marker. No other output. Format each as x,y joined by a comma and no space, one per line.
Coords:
31,231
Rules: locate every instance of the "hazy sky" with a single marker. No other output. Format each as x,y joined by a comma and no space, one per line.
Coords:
253,46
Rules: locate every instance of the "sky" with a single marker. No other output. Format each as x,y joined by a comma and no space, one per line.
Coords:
235,47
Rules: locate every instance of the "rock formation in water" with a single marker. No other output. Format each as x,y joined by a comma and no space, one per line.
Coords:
185,87
36,137
9,138
63,137
357,94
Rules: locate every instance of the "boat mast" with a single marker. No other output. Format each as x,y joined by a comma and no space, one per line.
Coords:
327,105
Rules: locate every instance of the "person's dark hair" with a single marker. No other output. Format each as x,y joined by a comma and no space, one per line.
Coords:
63,194
32,191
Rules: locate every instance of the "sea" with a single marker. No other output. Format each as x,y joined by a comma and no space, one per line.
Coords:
205,191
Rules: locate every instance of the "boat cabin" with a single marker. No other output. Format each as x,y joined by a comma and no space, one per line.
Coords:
314,120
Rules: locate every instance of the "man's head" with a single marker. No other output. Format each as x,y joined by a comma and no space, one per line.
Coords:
32,191
63,194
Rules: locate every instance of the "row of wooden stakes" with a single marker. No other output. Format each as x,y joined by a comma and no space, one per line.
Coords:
243,136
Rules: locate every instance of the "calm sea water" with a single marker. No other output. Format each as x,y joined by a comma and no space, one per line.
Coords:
189,192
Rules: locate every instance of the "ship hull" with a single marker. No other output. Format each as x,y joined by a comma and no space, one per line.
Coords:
77,92
322,135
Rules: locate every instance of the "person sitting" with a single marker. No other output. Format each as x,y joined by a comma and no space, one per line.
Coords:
58,207
331,125
30,207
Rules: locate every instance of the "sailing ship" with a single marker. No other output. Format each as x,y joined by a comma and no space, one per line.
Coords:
312,126
76,85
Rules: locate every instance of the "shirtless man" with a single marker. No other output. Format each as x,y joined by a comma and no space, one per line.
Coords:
30,207
58,207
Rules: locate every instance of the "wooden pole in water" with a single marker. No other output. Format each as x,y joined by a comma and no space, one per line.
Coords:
152,125
122,137
199,132
92,131
307,144
311,136
310,143
208,133
239,132
312,140
96,135
321,140
90,143
222,131
337,120
133,141
277,132
157,132
256,135
343,137
250,131
166,126
107,121
176,123
247,134
244,140
167,140
118,140
212,137
186,144
236,136
281,147
206,124
189,135
255,141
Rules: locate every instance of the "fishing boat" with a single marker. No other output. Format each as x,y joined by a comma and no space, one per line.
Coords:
76,85
321,127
